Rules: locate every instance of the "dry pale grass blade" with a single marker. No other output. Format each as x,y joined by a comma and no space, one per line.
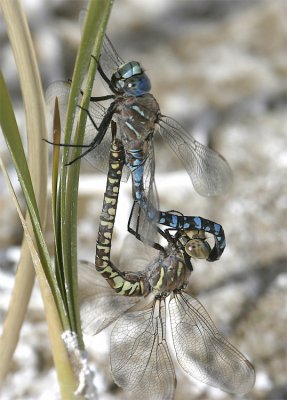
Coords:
22,46
67,381
20,296
33,98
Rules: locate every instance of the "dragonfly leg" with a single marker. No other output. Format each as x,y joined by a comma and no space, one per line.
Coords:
66,144
96,99
102,129
135,232
90,116
77,145
103,75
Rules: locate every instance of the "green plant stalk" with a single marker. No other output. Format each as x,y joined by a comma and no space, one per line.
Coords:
95,25
55,198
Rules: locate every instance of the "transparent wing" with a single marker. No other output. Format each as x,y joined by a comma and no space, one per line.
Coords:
149,182
99,304
61,89
135,255
149,228
203,352
143,228
140,358
99,157
209,172
110,60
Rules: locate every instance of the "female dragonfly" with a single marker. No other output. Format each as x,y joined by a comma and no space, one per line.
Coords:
138,301
138,117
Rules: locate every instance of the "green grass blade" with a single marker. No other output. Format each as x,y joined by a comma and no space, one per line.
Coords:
14,143
56,200
93,33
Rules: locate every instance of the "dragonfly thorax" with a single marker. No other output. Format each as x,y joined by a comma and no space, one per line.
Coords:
131,79
168,273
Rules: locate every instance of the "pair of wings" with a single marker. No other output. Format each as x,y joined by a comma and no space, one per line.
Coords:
140,356
209,172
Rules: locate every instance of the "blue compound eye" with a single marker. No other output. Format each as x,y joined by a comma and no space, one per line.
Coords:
137,85
131,79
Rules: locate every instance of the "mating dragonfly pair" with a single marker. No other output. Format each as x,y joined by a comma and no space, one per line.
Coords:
140,359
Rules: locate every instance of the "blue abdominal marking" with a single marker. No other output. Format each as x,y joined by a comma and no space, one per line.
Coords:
170,219
197,220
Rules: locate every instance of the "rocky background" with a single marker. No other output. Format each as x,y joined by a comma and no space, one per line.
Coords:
220,68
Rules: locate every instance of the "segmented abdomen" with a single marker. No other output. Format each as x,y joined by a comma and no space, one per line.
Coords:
123,283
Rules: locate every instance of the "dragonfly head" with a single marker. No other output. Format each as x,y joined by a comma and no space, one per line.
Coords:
198,248
195,244
131,79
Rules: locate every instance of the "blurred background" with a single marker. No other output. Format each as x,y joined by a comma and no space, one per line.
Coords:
220,68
